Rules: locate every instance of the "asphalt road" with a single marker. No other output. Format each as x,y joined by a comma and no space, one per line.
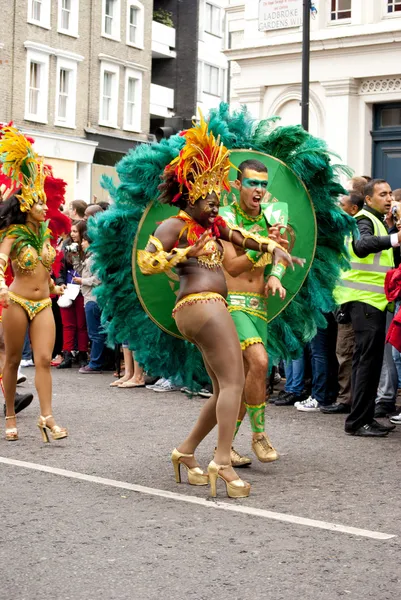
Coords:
65,537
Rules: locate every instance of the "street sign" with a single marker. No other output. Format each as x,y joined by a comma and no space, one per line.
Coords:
279,14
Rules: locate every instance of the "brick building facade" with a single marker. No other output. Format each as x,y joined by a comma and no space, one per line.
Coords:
75,74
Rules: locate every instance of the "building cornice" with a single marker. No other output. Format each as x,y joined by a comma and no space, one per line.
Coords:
235,8
120,61
371,44
53,51
250,94
341,87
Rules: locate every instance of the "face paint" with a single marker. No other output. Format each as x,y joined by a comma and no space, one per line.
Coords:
249,183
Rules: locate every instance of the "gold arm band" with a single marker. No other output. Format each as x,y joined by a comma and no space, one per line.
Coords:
160,261
262,241
3,284
230,234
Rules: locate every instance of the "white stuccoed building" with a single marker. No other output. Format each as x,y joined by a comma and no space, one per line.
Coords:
355,74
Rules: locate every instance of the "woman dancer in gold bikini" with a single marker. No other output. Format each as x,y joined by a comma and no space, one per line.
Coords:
25,240
190,242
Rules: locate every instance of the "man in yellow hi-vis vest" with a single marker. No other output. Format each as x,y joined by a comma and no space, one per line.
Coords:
361,295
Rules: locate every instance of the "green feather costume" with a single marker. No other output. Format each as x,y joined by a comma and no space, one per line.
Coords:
113,234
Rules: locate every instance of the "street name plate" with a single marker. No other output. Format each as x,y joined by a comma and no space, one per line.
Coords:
279,14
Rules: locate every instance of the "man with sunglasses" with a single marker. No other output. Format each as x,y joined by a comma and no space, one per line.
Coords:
247,301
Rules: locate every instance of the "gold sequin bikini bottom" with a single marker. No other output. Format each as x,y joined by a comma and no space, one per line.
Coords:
31,307
199,297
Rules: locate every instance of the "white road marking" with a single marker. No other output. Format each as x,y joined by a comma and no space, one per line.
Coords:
247,510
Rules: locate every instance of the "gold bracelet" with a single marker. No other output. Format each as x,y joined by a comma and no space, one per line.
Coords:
230,234
243,242
160,260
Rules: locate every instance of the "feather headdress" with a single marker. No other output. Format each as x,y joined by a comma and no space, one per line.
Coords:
23,166
203,164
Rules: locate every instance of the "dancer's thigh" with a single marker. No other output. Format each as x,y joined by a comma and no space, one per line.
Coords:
15,323
43,334
209,325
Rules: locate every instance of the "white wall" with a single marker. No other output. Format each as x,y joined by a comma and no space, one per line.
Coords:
345,58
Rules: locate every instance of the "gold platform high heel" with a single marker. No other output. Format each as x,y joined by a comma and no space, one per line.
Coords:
11,432
235,489
58,433
195,474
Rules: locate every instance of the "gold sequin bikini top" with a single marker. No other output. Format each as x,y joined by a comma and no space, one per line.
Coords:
193,231
29,249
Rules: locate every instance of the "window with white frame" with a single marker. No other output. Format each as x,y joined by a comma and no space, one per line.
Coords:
340,9
133,100
109,82
36,86
213,22
393,6
68,16
111,19
66,92
39,12
135,23
211,80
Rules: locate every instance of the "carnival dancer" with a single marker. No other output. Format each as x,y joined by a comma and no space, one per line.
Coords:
25,239
191,243
247,303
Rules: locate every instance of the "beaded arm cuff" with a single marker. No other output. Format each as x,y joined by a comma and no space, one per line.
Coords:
160,261
278,271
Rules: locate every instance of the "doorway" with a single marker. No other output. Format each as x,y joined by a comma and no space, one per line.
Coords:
386,136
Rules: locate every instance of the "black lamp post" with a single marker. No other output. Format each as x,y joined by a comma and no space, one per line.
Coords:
305,64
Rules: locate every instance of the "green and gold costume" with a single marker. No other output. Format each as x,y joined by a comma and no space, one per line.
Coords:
248,310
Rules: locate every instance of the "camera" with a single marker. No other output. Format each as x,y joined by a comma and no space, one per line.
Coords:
72,247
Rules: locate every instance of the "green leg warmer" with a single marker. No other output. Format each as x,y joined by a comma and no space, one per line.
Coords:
256,416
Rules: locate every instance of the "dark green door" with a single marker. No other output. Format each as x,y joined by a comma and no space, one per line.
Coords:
386,137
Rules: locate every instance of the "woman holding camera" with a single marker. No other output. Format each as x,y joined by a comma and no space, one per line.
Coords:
73,316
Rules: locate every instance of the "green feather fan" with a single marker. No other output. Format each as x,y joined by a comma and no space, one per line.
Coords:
113,234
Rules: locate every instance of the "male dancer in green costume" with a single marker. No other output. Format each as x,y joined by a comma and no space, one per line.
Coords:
247,303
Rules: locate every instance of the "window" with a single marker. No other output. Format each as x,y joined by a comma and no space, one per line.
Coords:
211,80
393,6
133,100
39,13
212,19
68,15
135,23
340,9
63,94
107,95
65,14
36,9
109,81
66,91
111,19
36,86
390,117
